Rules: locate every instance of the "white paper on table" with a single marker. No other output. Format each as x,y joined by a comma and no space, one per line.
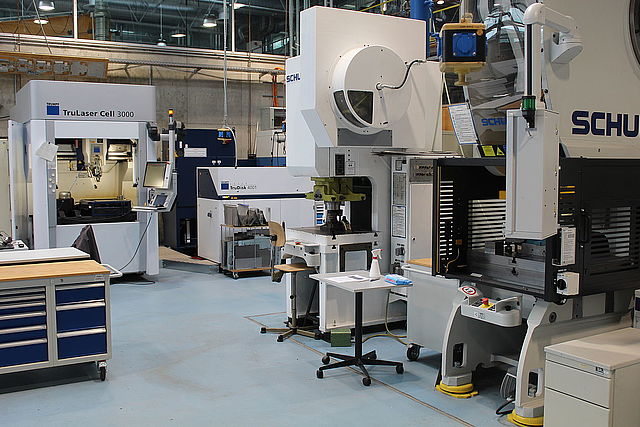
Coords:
351,278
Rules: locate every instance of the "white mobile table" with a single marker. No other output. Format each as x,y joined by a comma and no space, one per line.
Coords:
358,288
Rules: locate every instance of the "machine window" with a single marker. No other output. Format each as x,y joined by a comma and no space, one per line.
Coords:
362,103
341,102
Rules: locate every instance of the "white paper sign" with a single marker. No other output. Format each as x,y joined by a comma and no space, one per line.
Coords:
463,123
195,152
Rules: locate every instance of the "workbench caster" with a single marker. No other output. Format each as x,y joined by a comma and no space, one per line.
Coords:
366,381
102,369
280,338
263,330
235,276
413,352
319,374
326,360
400,369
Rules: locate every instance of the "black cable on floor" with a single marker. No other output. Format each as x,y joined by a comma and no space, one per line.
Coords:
500,411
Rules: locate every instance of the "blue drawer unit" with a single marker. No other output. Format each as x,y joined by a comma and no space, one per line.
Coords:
23,334
54,313
22,307
24,352
23,319
79,293
82,343
75,317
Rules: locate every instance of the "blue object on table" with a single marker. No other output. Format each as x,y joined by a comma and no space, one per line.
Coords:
397,279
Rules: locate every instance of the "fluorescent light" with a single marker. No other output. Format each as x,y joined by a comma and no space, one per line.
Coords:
46,5
440,2
41,21
177,34
209,21
238,5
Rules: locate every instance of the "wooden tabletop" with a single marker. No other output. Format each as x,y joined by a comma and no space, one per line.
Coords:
423,262
50,270
293,268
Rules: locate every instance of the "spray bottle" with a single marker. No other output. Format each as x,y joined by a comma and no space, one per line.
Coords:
374,272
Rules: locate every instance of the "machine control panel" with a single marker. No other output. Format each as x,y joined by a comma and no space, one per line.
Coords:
340,164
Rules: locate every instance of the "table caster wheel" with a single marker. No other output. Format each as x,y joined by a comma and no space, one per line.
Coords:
366,381
319,374
263,330
400,369
413,352
326,360
280,338
235,276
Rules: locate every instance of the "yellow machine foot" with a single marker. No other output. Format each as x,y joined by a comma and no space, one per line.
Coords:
460,391
525,421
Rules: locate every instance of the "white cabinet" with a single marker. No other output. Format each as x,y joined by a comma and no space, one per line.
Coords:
593,381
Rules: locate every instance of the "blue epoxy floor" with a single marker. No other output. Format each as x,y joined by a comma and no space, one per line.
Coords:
185,354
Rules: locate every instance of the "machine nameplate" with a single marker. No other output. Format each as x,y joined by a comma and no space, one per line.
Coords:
421,171
398,221
568,248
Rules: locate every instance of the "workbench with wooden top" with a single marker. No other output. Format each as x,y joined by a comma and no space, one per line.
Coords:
53,314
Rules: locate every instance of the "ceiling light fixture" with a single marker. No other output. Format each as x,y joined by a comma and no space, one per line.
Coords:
238,5
41,21
46,5
161,42
440,2
178,34
209,21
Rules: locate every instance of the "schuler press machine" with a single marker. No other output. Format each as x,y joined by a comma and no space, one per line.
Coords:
349,100
547,238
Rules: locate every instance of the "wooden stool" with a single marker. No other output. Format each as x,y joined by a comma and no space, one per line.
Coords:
292,326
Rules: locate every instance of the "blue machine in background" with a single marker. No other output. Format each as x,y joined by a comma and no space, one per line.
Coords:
200,148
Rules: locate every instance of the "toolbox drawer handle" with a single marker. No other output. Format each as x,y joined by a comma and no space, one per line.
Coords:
23,315
22,329
95,304
79,286
26,290
25,305
83,332
23,343
20,299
